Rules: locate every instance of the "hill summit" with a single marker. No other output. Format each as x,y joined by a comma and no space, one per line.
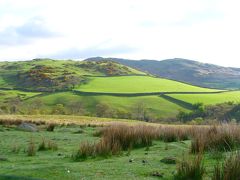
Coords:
55,75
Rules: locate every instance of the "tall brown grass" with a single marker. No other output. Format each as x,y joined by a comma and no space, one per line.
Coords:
230,169
190,169
118,137
47,145
115,139
31,150
216,138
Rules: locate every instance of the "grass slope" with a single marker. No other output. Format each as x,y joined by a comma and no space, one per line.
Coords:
137,84
155,104
6,94
209,98
47,74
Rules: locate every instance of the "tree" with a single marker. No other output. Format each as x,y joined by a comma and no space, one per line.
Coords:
76,108
58,109
14,104
35,106
140,111
104,110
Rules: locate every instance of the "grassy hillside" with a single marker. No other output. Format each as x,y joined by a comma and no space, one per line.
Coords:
193,72
102,88
51,75
233,96
137,84
155,105
6,95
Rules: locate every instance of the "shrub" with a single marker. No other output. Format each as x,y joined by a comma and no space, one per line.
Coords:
190,169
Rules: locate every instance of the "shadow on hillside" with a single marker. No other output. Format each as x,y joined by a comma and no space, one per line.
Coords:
177,101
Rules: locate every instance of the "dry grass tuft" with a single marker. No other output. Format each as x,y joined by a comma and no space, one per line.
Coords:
31,150
190,169
230,169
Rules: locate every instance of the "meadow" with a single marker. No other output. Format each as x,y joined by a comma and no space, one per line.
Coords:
88,151
137,84
232,96
7,94
157,105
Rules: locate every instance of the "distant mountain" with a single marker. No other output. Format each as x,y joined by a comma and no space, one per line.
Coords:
189,71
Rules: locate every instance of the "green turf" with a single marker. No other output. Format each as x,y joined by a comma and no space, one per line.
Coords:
6,94
156,105
209,98
57,165
137,84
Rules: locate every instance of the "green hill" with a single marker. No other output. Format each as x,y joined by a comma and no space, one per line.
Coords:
156,106
232,96
96,88
54,75
137,84
184,70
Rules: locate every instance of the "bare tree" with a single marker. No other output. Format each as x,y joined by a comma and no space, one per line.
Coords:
76,108
140,111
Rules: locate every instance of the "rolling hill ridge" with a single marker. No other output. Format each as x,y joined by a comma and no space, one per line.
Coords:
97,88
188,71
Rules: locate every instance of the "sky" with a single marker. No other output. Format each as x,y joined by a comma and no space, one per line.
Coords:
203,30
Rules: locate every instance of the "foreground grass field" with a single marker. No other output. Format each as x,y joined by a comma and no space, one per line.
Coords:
58,164
137,84
137,163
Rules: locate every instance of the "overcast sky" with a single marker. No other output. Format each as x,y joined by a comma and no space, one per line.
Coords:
203,30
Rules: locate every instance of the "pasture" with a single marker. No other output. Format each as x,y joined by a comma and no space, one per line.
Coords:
168,147
231,96
137,84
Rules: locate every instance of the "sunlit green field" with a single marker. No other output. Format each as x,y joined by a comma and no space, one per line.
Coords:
6,94
233,96
137,84
155,104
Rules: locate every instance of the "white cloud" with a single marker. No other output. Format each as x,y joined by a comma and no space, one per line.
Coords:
203,30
